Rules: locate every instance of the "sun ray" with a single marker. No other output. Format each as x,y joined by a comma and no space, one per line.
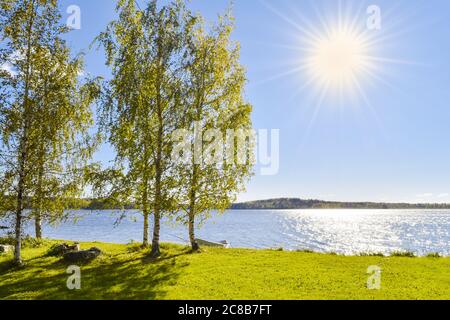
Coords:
370,107
322,94
394,61
281,75
300,89
284,17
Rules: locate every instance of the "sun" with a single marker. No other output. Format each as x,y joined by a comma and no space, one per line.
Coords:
337,54
338,59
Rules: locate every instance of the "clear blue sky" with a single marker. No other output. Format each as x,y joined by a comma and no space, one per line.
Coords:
393,146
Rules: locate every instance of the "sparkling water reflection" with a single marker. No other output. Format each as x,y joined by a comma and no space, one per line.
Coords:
340,231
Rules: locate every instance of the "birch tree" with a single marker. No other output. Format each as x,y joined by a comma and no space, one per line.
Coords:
45,115
142,103
219,161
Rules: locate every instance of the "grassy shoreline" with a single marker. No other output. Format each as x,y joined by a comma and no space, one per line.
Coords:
125,272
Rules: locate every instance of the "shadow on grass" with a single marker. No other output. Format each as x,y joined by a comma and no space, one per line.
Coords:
166,256
125,276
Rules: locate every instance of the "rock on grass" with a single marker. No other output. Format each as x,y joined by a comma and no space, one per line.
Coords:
82,256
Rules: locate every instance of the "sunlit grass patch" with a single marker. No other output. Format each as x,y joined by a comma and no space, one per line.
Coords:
126,272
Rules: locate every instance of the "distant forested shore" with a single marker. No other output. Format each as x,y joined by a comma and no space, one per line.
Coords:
296,203
270,204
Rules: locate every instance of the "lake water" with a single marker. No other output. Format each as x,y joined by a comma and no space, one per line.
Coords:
341,231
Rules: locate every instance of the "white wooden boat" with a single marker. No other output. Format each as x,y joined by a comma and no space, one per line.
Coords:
220,244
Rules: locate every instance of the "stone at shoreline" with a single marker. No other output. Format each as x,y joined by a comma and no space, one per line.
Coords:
82,256
64,248
6,248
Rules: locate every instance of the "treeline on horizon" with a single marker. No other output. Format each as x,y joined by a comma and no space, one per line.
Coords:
270,204
296,203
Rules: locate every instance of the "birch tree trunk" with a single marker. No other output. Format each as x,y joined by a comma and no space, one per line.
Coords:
38,225
192,208
145,238
156,252
23,145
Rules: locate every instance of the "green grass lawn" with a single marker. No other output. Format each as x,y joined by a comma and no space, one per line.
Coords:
125,272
